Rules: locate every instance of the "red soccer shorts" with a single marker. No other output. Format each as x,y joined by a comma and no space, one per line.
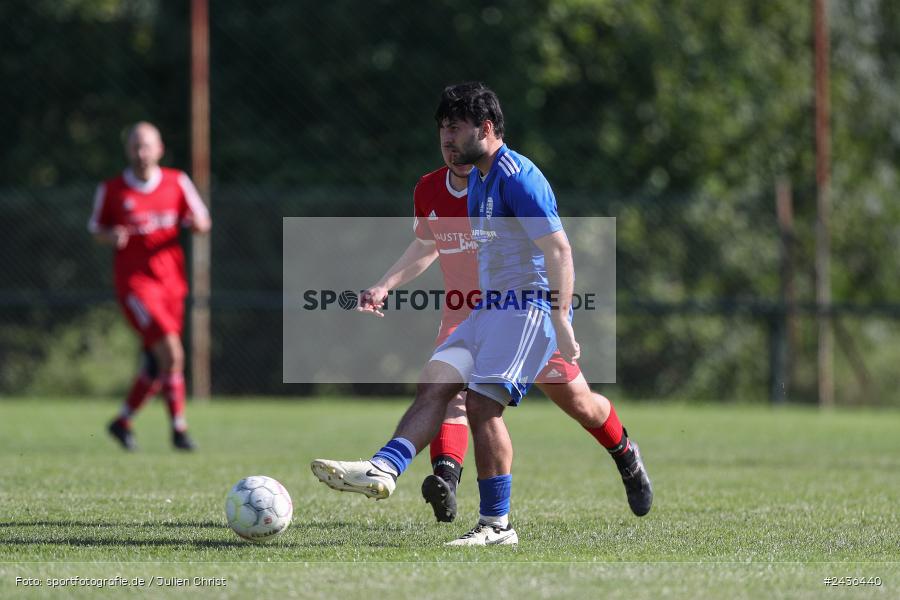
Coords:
153,312
557,370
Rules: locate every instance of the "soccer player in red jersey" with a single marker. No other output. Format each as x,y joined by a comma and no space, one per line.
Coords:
442,232
139,212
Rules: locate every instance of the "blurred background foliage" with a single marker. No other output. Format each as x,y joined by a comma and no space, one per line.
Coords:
676,117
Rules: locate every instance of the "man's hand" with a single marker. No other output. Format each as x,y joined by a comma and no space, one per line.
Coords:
565,338
372,300
120,236
199,225
415,259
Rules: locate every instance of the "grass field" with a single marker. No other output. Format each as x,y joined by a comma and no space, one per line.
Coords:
750,503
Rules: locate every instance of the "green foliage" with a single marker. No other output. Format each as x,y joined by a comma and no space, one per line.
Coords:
89,353
94,354
675,117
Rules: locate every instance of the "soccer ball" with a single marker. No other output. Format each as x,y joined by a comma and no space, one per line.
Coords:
258,508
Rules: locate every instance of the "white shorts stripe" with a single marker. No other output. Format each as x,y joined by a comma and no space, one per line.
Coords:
532,321
522,338
518,372
139,311
514,375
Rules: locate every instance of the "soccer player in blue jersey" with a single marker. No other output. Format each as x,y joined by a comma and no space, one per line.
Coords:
526,277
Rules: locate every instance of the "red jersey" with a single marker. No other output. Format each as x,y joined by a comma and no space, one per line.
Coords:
442,215
152,212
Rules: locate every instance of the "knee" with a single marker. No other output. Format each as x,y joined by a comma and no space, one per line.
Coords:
456,410
169,356
481,408
165,362
583,405
602,407
177,361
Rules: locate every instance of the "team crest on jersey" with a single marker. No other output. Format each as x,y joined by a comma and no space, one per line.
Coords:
432,216
128,204
489,208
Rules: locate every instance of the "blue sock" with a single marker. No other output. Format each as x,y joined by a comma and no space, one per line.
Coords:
495,493
399,452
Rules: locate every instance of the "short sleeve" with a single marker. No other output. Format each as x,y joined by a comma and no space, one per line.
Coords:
102,213
192,206
420,221
532,201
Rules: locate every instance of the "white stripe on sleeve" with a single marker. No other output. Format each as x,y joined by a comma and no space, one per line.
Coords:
99,199
511,165
194,201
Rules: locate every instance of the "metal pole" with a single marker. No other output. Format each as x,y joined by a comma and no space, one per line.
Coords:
787,320
200,169
823,207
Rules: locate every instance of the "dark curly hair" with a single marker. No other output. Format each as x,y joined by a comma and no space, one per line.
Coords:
473,101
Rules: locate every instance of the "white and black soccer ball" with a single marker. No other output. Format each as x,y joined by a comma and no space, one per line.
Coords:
258,508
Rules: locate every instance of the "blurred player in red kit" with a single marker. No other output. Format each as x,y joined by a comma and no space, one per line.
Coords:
139,212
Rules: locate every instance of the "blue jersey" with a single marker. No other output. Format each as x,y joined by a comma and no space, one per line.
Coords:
510,208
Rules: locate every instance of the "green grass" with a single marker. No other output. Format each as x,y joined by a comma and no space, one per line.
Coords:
750,503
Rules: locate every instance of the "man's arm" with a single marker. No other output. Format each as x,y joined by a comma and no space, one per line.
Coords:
118,236
196,214
418,256
101,224
561,273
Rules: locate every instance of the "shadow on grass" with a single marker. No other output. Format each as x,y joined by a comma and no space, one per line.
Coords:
95,542
110,525
325,529
303,525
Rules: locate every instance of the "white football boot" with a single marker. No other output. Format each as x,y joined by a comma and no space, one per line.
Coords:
359,476
487,535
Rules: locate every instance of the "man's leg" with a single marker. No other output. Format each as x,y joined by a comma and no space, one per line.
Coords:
448,450
169,355
145,385
576,399
598,416
376,478
493,460
493,446
439,383
513,346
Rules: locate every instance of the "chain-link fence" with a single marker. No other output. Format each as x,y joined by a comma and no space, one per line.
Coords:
675,118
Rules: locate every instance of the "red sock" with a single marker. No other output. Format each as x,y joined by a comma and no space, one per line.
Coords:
611,435
141,390
452,440
173,392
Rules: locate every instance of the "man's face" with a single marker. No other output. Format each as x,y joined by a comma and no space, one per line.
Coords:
458,170
461,142
144,148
